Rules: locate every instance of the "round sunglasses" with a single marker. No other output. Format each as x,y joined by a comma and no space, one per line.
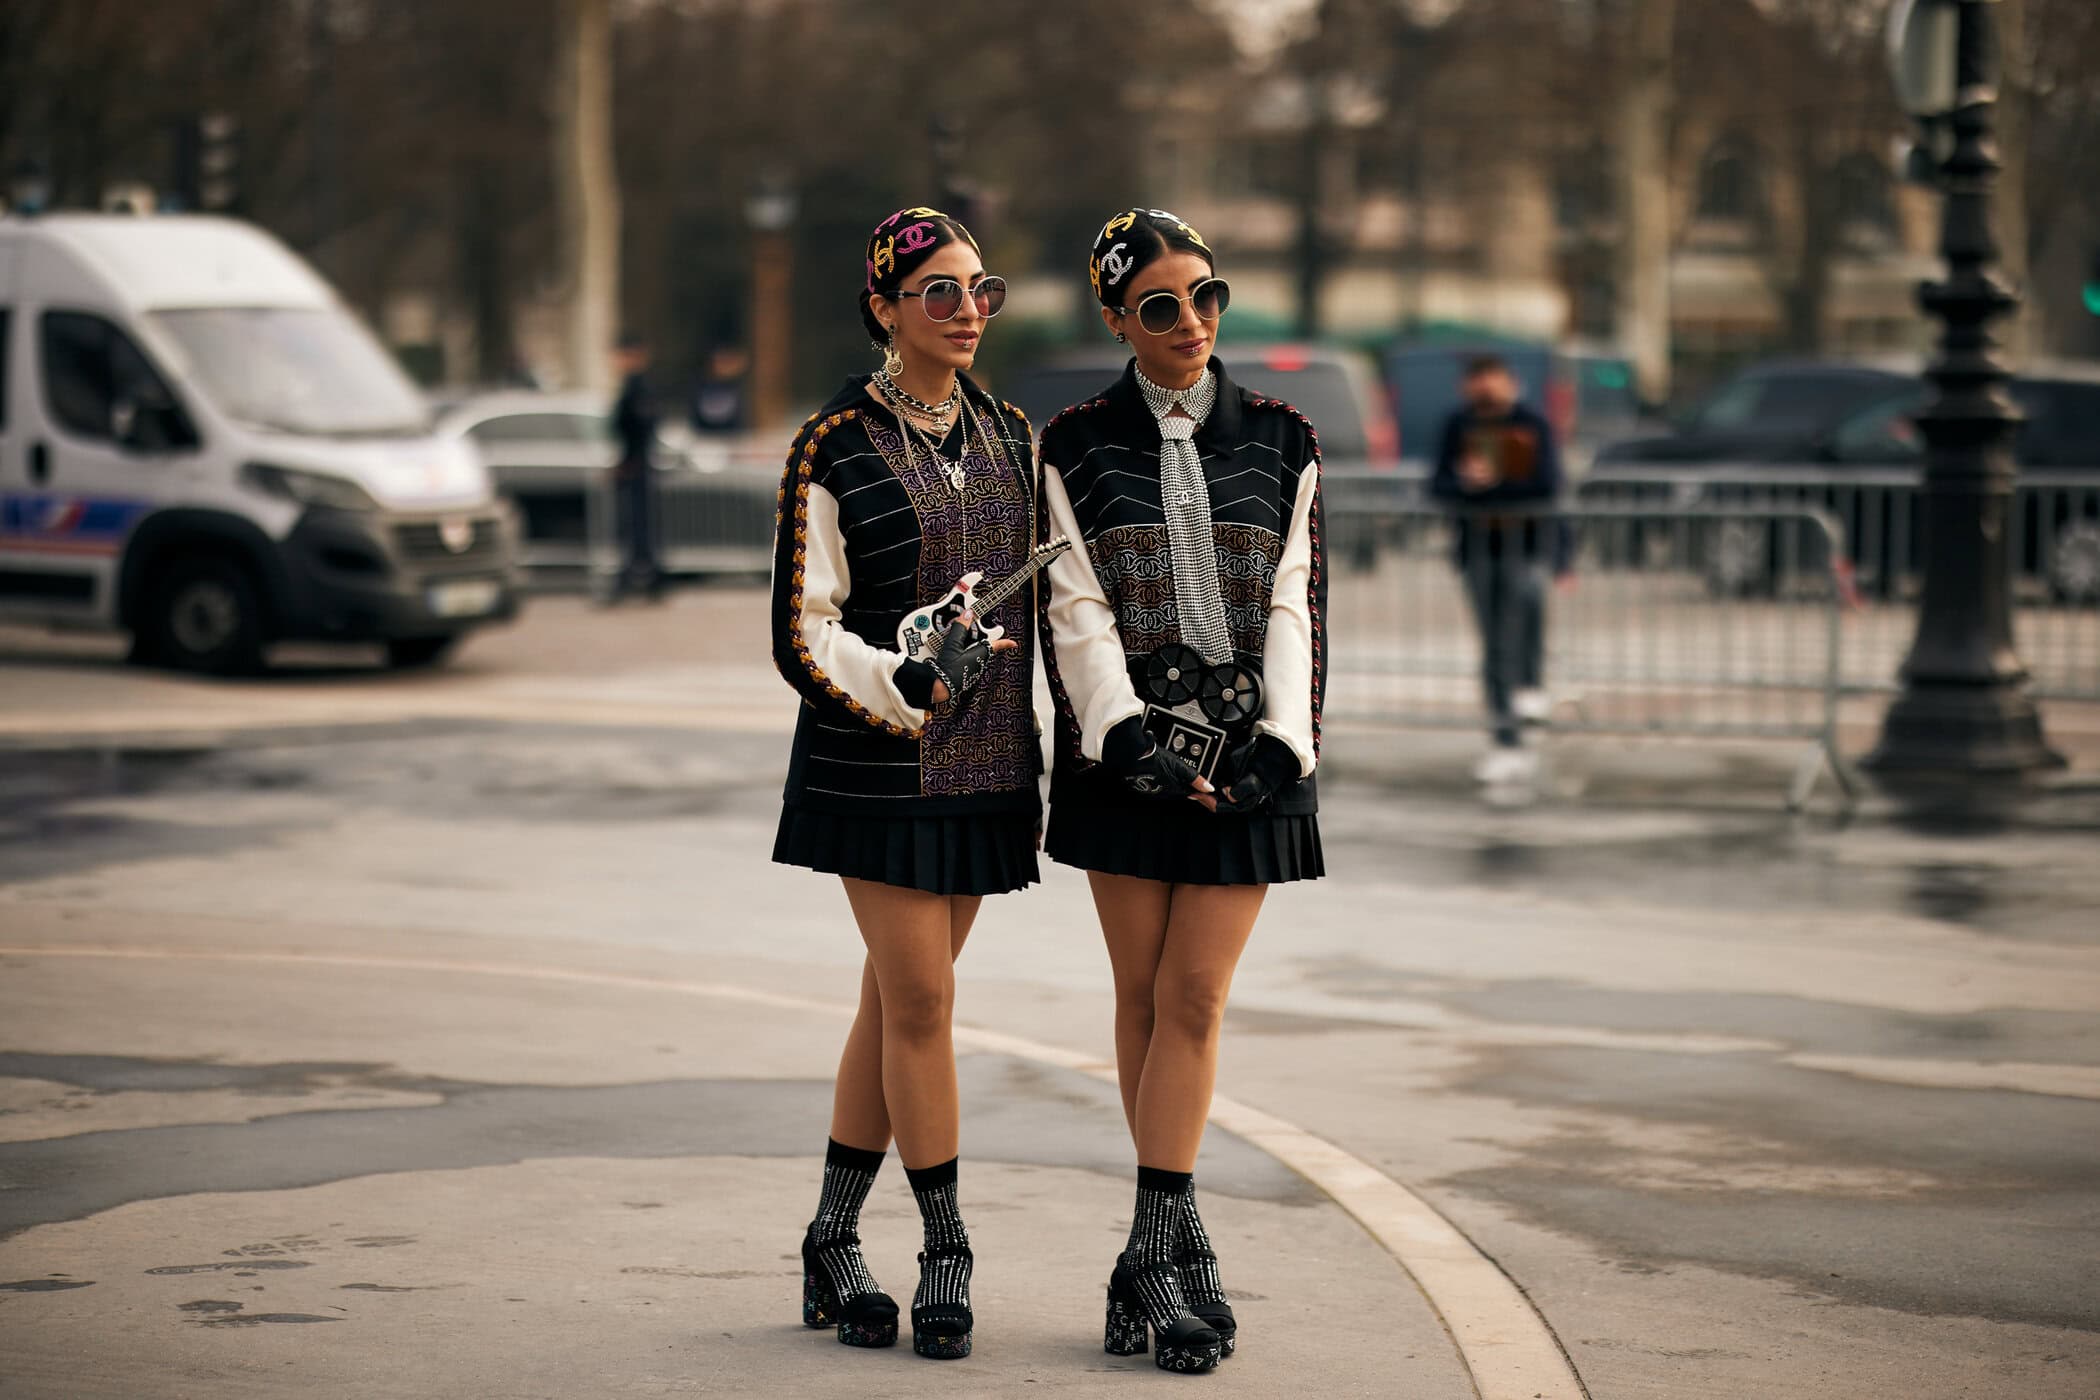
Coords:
1159,312
942,298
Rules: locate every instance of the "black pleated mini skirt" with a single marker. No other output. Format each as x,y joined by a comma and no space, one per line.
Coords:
992,853
1180,843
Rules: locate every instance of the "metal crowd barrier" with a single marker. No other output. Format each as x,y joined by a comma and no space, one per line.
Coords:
705,523
2053,557
1643,647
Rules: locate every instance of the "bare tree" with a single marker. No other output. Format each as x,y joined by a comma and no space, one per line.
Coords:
586,187
1643,169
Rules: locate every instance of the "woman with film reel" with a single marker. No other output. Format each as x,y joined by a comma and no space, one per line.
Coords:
1182,637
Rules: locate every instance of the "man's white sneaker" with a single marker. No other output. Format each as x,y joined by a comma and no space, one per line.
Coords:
1501,765
1533,706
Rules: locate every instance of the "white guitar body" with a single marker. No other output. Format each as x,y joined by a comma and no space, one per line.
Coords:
919,635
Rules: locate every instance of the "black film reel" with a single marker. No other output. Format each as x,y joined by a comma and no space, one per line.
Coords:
1172,674
1230,694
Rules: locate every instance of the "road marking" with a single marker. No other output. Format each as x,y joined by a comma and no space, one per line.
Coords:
1509,1351
2057,1081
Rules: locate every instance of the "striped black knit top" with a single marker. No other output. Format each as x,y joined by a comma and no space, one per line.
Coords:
1110,604
867,531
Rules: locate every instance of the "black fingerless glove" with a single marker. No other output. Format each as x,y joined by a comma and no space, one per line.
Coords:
961,660
1260,768
1144,766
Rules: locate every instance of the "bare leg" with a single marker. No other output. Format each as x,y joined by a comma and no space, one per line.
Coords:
1133,916
911,948
860,1115
1207,929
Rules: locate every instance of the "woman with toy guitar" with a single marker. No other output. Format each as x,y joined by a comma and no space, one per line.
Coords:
913,775
1183,641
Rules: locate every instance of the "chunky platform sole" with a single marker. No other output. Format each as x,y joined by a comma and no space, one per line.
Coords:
871,1322
1217,1316
1187,1351
942,1331
1226,1327
941,1346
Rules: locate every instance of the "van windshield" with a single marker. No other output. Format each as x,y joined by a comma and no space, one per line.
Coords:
302,370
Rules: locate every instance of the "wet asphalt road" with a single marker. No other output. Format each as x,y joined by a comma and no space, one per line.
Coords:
1750,1106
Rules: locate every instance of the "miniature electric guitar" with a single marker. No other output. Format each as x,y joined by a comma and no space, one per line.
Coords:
919,635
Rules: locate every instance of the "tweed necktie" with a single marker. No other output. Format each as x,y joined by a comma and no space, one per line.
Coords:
1184,496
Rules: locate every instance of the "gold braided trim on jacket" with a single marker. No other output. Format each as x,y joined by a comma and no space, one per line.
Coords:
803,472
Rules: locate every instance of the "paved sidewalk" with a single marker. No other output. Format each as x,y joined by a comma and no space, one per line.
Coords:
233,1172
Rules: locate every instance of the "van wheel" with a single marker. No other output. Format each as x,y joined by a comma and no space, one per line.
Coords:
404,653
206,618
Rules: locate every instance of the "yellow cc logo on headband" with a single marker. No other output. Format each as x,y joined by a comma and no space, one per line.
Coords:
1121,223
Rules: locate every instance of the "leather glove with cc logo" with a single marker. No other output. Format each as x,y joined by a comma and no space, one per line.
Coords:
1148,769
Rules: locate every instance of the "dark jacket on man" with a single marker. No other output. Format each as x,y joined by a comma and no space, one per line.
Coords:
634,423
1527,457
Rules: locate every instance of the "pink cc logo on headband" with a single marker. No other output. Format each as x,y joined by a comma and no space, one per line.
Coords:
919,235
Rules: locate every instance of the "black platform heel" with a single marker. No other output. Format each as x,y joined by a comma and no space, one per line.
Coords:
1216,1313
864,1320
1188,1344
942,1331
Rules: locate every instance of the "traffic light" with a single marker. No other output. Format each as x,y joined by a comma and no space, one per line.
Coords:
2092,285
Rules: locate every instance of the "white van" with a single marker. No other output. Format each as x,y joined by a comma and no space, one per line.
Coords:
201,446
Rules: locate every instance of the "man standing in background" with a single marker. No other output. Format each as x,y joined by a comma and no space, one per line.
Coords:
634,475
1499,452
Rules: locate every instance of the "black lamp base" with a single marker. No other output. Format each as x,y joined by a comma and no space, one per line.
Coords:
1951,749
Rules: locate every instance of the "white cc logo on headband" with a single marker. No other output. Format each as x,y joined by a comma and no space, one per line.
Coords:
1115,263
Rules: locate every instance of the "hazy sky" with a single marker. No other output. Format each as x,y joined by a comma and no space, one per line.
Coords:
1261,25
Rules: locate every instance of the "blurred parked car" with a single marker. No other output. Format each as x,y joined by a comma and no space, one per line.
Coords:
547,451
1843,438
1774,412
1336,389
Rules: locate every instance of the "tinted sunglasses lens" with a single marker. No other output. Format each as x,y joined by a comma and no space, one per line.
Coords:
1212,298
942,298
991,296
1159,312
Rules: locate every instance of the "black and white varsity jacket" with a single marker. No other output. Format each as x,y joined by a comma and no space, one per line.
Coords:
1111,603
866,532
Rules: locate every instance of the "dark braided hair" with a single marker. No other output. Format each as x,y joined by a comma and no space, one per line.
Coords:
1132,240
896,249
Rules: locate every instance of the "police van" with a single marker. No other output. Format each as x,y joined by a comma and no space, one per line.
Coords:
202,447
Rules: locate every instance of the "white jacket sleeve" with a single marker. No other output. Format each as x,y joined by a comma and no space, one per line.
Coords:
1287,654
1089,651
866,672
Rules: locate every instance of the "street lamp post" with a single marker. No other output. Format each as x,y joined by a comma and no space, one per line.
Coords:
1963,717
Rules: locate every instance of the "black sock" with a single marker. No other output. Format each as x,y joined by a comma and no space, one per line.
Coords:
1155,1230
1199,1262
944,1276
835,1232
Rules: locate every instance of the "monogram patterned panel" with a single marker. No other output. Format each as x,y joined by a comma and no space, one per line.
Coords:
1136,572
985,743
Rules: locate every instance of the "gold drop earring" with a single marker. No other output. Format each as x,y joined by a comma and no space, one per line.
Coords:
892,362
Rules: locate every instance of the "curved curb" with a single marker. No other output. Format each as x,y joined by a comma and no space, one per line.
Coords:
1508,1350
